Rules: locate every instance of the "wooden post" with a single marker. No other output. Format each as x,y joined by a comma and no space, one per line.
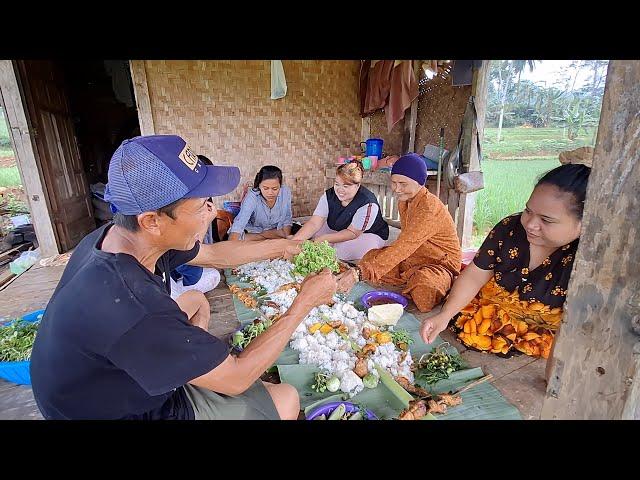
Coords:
143,100
24,147
468,201
596,359
411,120
366,129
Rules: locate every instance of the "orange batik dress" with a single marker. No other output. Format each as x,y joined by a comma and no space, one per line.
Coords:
518,309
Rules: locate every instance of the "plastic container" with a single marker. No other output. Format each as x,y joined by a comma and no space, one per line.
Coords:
232,207
327,408
24,261
20,220
33,316
373,146
18,372
391,297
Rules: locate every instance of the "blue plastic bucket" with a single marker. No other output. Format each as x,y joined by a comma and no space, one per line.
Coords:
373,146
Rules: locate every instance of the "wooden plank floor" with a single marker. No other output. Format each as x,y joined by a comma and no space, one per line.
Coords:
30,291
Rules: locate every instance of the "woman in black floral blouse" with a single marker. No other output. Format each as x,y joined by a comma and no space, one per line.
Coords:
511,295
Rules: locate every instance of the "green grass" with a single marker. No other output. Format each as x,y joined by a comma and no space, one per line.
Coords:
5,141
508,184
512,167
9,177
527,142
4,131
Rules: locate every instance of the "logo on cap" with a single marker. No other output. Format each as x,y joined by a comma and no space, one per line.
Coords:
189,158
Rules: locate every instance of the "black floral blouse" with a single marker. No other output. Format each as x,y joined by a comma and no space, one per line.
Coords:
506,251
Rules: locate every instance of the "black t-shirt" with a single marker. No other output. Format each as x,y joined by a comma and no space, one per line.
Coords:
506,252
113,344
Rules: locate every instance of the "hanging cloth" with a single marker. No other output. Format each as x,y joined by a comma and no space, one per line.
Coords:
378,85
403,91
278,81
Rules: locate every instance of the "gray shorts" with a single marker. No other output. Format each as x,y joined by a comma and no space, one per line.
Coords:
254,404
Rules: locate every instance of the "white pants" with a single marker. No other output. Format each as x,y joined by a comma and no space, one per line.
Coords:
208,281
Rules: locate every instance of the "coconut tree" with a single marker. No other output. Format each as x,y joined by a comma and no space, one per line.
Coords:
518,68
504,76
504,73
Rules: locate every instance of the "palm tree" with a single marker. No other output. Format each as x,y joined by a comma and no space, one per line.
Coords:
505,70
504,75
518,68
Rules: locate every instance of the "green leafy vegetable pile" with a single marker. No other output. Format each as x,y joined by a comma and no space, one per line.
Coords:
243,337
438,365
16,340
314,257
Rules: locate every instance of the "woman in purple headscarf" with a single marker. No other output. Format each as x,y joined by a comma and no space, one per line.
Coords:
426,256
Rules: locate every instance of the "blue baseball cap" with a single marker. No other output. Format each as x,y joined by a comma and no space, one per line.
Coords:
152,171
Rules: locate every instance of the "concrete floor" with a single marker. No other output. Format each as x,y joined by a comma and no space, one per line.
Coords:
520,379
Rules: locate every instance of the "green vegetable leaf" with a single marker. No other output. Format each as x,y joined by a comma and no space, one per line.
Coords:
314,257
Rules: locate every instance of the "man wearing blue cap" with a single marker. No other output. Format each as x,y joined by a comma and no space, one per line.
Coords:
114,345
426,256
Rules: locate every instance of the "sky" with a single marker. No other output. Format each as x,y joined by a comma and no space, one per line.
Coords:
549,71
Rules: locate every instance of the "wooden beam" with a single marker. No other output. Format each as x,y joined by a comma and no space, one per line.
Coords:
366,129
596,358
468,201
143,100
24,147
6,277
411,120
453,202
10,253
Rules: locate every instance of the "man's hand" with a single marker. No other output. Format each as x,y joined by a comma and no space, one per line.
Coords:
346,280
432,326
292,248
318,289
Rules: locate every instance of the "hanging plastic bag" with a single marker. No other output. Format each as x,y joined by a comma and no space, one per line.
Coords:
24,261
278,81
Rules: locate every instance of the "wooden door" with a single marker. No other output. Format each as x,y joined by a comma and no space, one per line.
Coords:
58,153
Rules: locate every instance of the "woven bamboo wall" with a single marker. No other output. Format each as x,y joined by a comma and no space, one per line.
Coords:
439,105
392,140
224,110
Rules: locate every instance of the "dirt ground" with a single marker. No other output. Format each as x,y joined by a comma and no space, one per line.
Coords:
13,201
7,161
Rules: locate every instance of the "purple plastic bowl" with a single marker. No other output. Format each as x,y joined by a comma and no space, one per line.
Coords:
383,294
327,408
